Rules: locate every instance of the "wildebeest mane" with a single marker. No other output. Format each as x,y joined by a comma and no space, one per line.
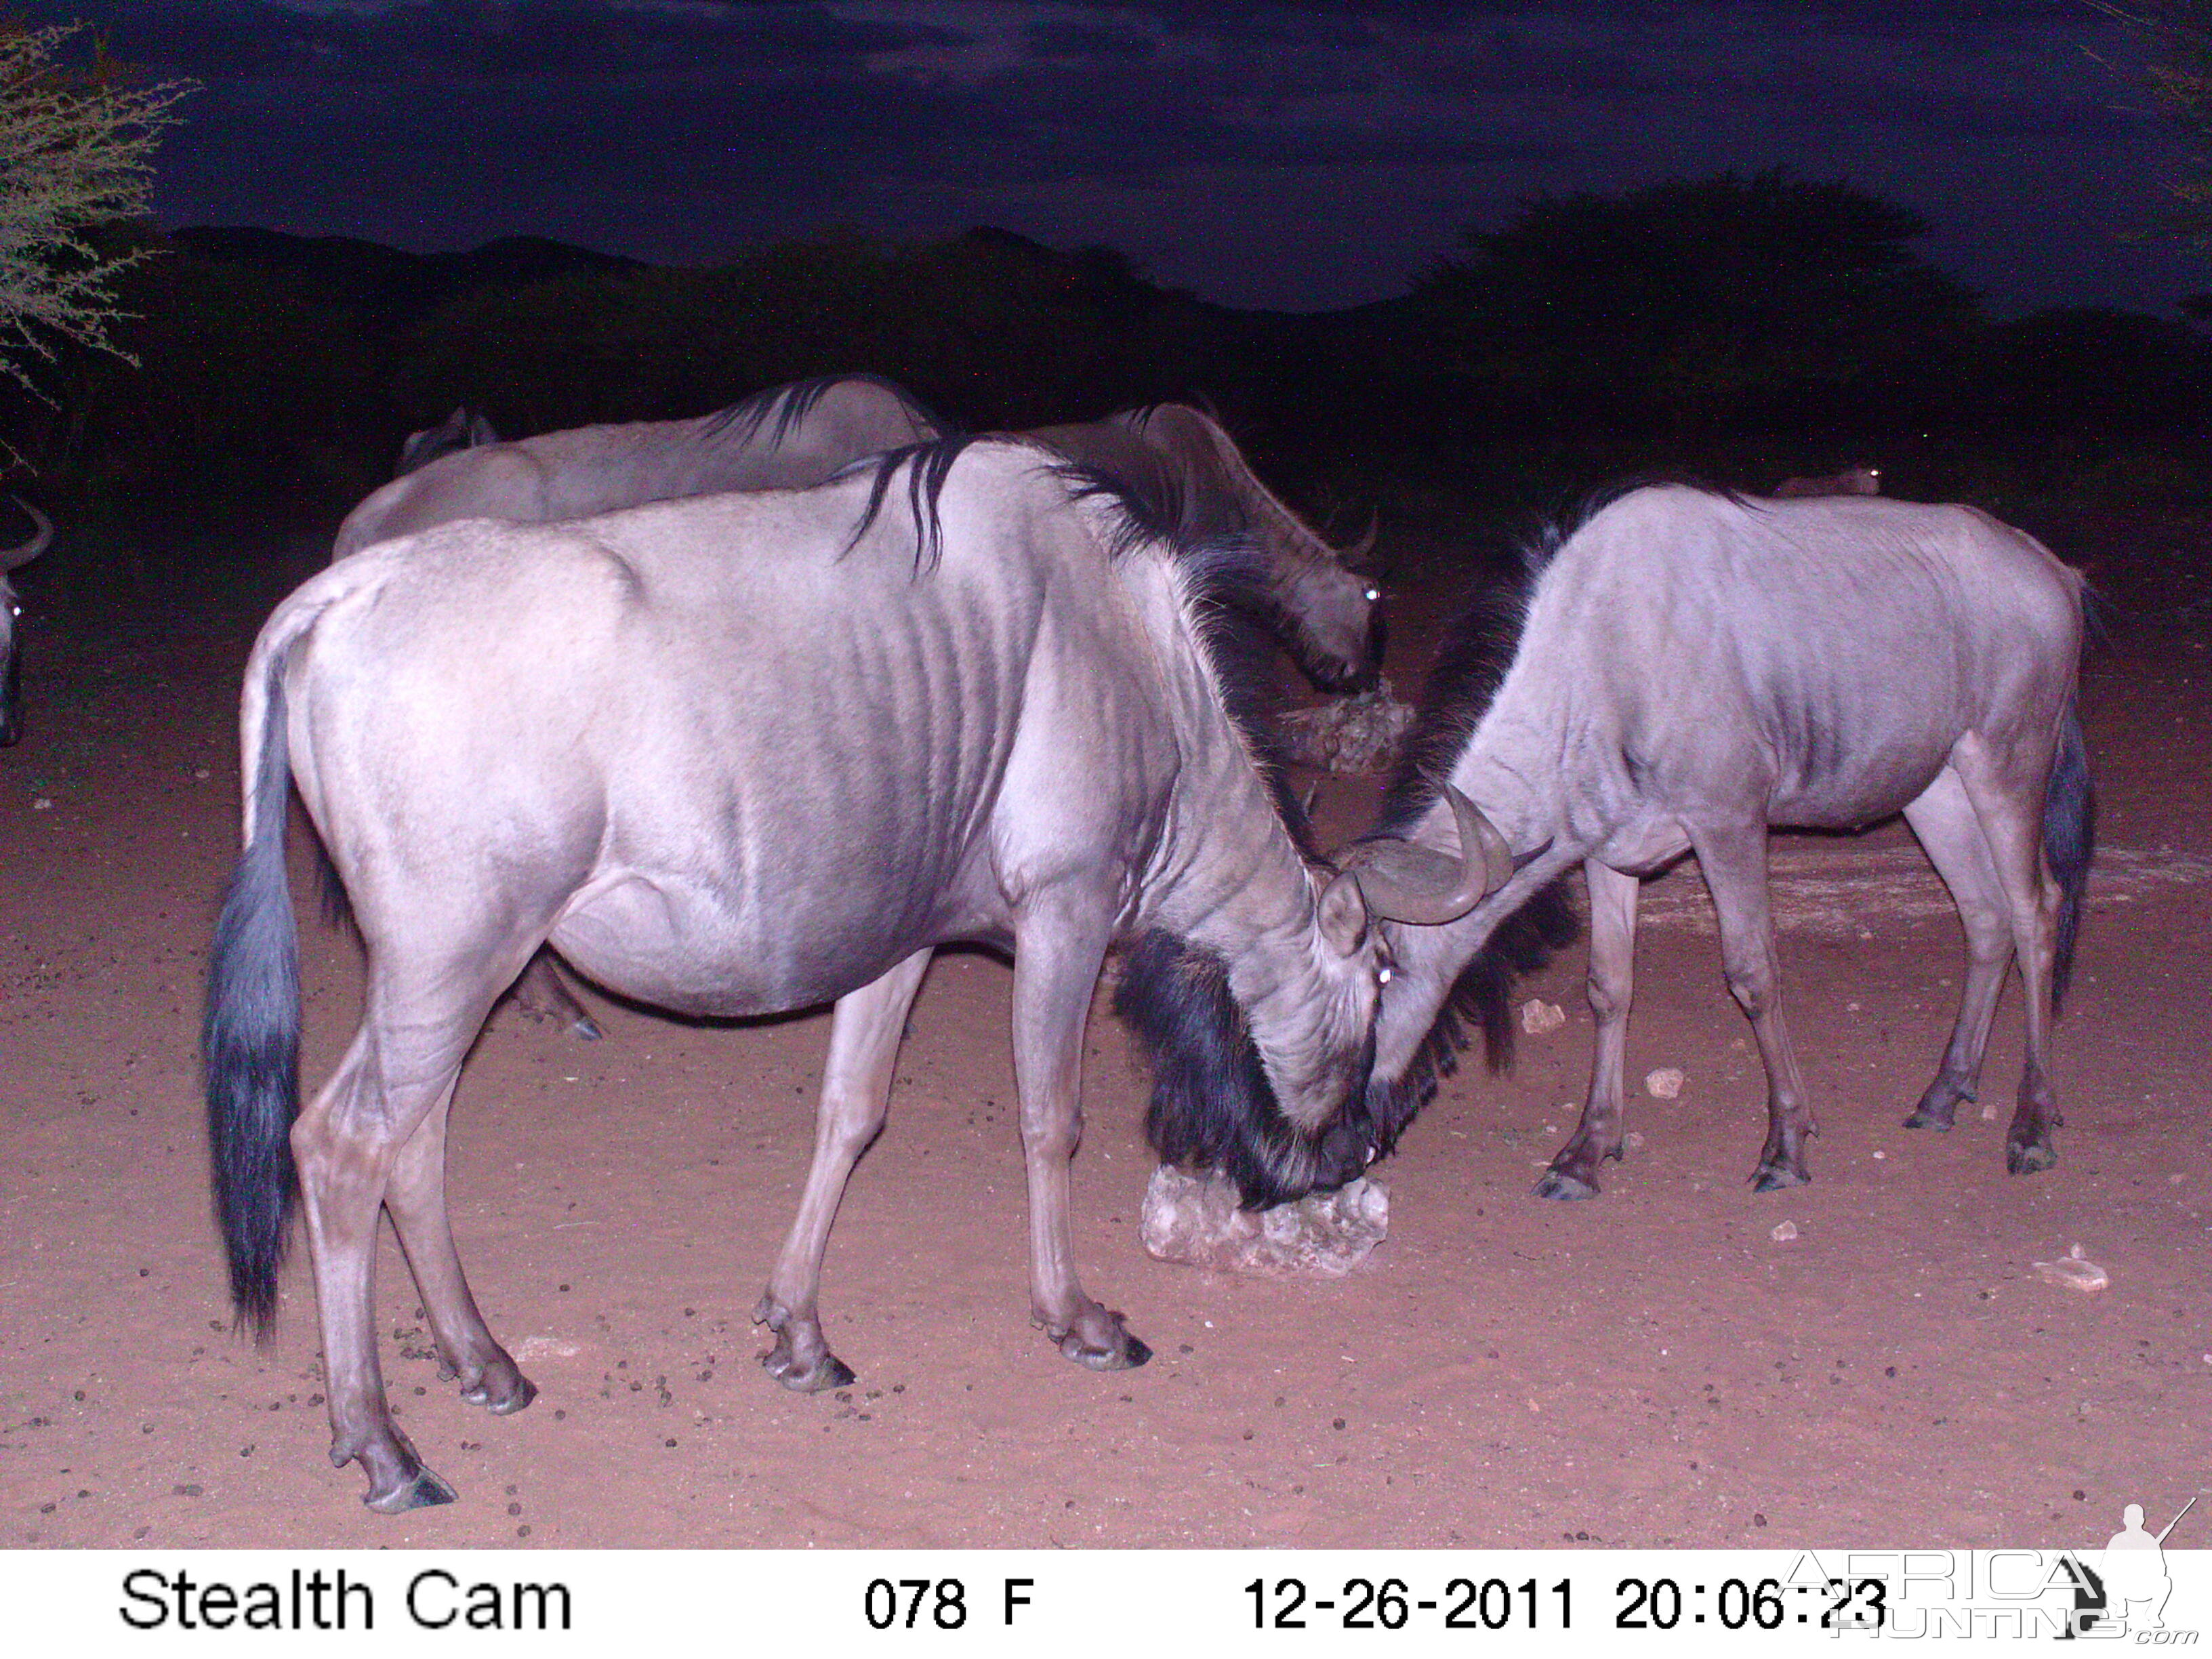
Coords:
1227,578
787,405
1478,649
1212,1107
925,466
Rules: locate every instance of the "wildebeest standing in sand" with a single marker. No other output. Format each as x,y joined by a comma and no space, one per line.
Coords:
748,753
1687,668
11,613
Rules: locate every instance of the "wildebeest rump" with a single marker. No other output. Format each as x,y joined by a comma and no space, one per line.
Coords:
746,753
1687,668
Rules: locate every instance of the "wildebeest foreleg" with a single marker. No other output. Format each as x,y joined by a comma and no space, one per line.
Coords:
466,1347
345,1145
541,996
856,1082
1733,860
1943,819
2007,791
1057,958
1613,897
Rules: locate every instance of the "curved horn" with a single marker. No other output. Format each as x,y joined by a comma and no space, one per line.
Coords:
1402,881
1360,549
27,552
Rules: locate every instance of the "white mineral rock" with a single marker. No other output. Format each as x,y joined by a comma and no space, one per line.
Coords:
2074,1271
1538,1017
1665,1083
1196,1222
1784,1231
1349,734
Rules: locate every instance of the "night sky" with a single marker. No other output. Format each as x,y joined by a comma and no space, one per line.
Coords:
1293,155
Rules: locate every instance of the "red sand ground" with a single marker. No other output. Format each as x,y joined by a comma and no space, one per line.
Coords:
1650,1368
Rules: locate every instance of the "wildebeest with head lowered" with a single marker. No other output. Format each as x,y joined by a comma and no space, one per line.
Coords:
741,754
1686,668
1326,610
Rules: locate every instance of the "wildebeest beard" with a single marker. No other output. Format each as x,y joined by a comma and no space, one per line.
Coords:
1212,1109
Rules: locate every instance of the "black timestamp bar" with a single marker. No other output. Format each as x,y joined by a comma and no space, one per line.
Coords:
1465,1603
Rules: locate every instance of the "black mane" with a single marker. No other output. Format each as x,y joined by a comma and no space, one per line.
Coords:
791,403
1478,648
1212,1107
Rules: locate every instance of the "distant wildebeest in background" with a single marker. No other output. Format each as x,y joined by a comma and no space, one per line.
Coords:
797,435
465,428
1324,608
11,615
787,438
746,753
1686,669
1851,481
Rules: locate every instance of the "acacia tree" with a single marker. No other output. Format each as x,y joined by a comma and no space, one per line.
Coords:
76,140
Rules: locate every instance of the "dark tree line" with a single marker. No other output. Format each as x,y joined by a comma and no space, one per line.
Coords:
1735,327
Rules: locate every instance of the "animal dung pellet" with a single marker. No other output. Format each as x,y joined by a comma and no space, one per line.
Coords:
2075,1270
1196,1222
1665,1083
1783,1232
1362,733
1538,1017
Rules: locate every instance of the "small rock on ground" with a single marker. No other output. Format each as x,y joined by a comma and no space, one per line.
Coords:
1665,1083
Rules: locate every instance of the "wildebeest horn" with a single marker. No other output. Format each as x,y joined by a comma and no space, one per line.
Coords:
27,552
1403,881
1356,551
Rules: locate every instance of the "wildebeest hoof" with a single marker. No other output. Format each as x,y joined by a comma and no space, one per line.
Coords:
424,1492
503,1402
1773,1177
1931,1117
825,1371
2029,1158
1564,1184
1119,1352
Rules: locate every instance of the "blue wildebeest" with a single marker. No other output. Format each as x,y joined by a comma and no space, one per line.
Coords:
786,438
1686,669
746,753
465,428
1325,610
796,435
11,613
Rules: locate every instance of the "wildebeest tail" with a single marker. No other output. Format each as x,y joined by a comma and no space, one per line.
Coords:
250,1037
2069,841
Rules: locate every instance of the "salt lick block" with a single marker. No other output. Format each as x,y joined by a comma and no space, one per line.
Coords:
1196,1223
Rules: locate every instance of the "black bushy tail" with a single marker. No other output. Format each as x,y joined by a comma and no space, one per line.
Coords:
250,1039
2069,841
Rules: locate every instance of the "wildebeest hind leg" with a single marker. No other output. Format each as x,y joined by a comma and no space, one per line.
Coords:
1733,860
856,1082
540,996
346,1145
1943,819
1613,895
1059,951
2007,789
466,1348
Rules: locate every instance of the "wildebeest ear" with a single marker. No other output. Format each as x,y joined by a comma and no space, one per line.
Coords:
1343,914
479,430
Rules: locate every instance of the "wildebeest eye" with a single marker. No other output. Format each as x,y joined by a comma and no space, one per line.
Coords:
1382,974
1373,594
